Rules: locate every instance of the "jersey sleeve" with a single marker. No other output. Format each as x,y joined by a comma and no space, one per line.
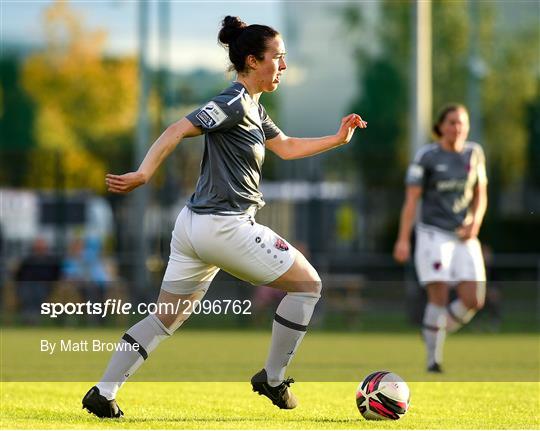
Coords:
218,115
481,174
417,169
269,128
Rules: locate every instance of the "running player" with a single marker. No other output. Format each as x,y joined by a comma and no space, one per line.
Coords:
450,178
217,229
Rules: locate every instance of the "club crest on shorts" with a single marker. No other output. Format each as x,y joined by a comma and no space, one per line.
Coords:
437,266
281,245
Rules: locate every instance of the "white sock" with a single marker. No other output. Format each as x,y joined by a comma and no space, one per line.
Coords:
434,332
288,329
148,333
458,315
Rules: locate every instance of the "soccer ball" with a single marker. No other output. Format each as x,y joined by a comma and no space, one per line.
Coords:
383,395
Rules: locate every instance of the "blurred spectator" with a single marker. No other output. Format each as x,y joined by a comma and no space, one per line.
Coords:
85,269
35,279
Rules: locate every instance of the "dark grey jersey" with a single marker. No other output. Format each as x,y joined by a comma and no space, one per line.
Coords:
235,129
448,180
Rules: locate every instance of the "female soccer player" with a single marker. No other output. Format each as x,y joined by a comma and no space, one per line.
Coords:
217,230
450,177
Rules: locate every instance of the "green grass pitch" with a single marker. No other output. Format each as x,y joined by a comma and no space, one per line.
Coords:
510,401
230,405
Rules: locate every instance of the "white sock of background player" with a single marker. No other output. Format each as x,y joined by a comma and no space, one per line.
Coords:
458,315
434,332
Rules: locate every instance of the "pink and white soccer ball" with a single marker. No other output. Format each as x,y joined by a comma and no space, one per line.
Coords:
383,396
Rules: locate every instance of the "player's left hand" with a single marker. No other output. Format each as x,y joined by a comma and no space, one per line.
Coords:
468,231
348,124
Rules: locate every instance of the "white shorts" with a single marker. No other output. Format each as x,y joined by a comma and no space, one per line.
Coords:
442,256
202,244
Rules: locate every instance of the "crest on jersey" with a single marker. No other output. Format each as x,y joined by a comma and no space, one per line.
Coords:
415,172
281,245
211,115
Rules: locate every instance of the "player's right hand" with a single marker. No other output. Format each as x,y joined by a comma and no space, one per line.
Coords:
402,251
124,183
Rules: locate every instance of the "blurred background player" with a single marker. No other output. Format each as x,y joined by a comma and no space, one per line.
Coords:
217,229
449,176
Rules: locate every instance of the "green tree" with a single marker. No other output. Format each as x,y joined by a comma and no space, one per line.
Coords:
86,104
450,33
533,154
17,112
508,89
384,100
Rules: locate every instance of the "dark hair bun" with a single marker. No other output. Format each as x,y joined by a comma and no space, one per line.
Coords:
231,28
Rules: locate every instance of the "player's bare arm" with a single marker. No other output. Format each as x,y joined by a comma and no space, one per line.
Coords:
478,210
157,153
290,148
402,248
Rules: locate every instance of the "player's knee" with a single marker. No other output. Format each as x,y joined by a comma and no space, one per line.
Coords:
168,320
301,278
313,283
315,287
480,295
475,304
311,286
173,322
472,303
174,309
440,300
438,293
475,298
